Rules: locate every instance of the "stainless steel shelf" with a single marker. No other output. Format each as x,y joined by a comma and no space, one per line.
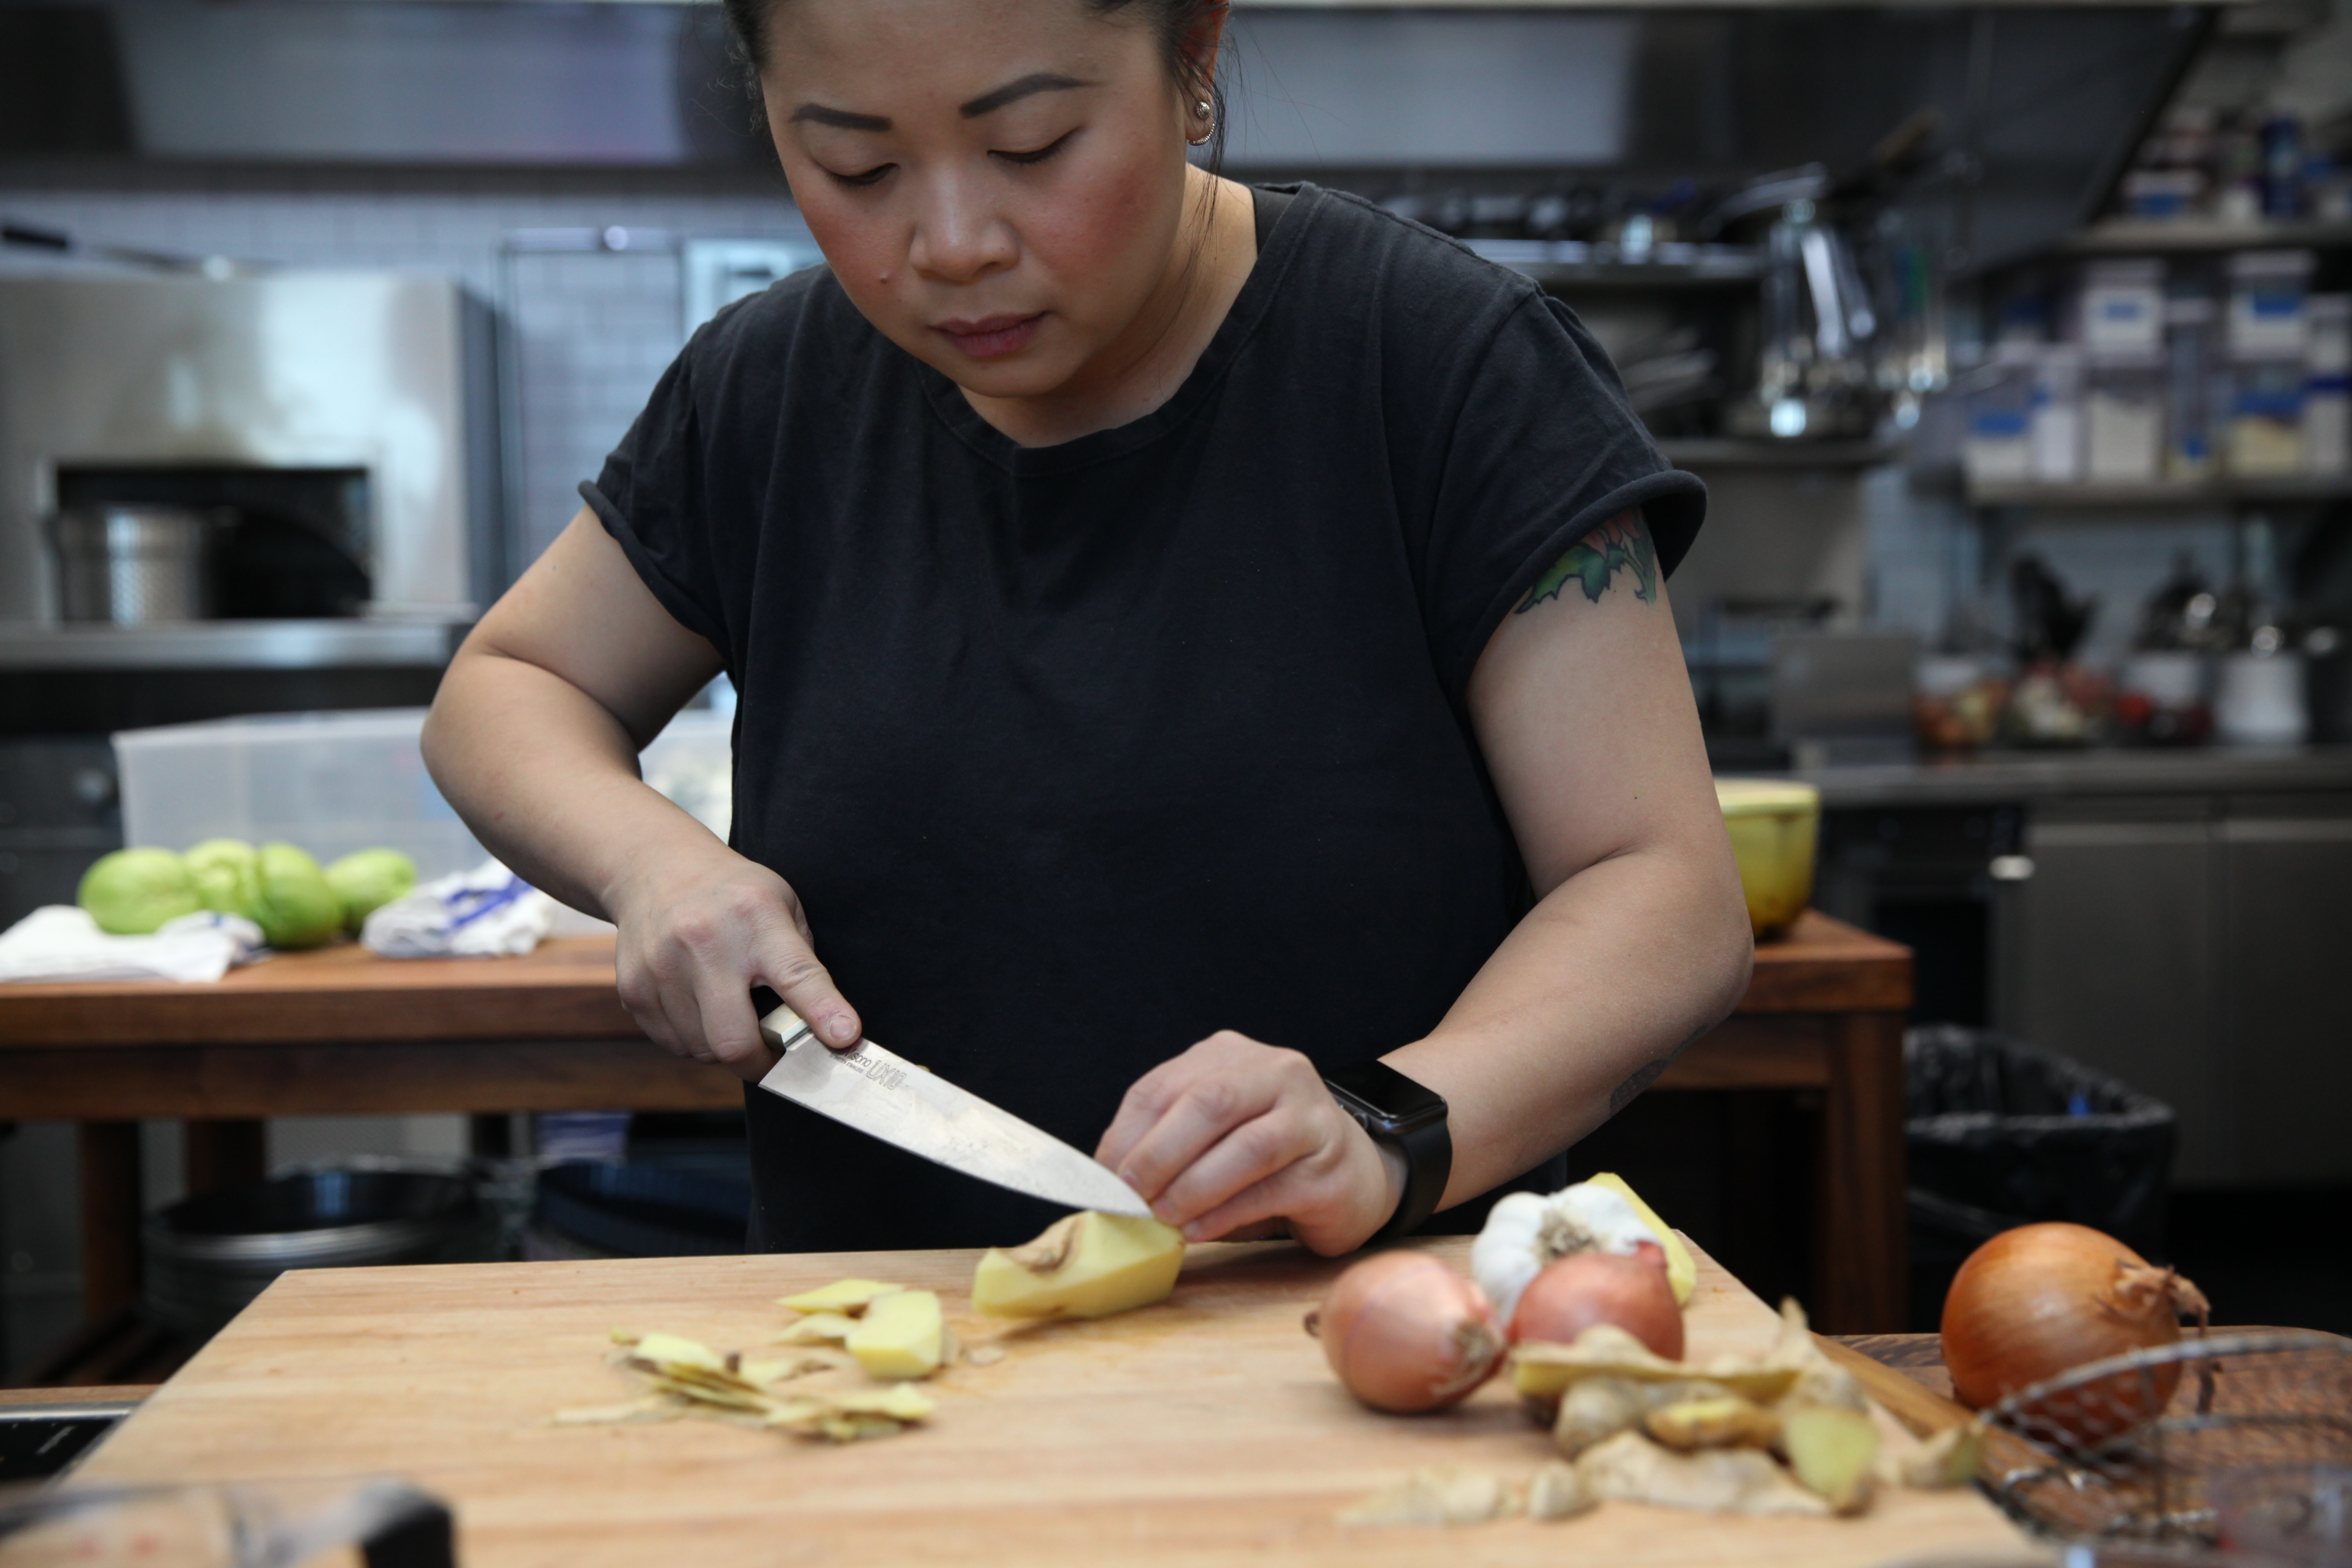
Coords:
2209,493
2146,237
229,645
1739,454
1672,265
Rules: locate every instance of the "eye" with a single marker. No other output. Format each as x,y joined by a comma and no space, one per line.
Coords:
1039,154
872,177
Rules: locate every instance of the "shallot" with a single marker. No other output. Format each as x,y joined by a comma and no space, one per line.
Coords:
2043,1299
1407,1333
1628,1289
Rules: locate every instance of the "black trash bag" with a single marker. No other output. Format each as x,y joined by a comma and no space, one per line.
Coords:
2001,1135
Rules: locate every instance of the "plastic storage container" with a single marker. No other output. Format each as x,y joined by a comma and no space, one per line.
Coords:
2123,418
333,783
2190,364
2327,387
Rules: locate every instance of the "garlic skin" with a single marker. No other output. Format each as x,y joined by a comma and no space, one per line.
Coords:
1524,1232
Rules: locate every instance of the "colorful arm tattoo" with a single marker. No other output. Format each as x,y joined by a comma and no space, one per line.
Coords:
1592,562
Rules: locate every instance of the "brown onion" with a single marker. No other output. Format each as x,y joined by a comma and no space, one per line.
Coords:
2043,1299
1629,1289
1406,1332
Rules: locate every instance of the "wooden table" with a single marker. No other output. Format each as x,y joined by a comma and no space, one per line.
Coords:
340,1032
1205,1430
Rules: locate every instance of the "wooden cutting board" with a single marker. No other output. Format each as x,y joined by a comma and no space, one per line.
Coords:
1203,1430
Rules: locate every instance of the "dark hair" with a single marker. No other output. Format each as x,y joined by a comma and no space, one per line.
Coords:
1179,24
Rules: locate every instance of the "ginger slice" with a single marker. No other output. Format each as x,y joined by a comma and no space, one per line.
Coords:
1088,1265
902,1335
848,1296
1833,1452
1722,1422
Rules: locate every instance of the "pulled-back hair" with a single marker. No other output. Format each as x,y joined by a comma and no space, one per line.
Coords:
1179,24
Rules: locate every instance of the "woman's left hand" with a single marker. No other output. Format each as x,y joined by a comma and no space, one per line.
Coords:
1234,1133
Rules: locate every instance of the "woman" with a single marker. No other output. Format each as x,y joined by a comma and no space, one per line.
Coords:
1190,642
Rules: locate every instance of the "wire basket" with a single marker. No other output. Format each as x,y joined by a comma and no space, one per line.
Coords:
2125,1449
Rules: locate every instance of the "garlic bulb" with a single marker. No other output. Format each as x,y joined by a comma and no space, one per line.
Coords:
1524,1232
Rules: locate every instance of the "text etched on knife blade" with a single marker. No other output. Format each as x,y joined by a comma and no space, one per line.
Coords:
873,1069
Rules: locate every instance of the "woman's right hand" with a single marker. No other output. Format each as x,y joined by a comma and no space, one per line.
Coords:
697,936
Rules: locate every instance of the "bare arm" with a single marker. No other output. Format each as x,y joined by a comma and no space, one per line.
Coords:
1639,943
534,737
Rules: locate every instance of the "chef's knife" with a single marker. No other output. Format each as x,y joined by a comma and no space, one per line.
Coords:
890,1098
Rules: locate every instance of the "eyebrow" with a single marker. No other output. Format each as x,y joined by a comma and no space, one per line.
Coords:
1013,91
818,114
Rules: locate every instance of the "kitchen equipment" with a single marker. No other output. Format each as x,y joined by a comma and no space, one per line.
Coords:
209,1255
1849,689
38,1441
134,564
2161,697
2077,1457
1774,825
341,421
890,1098
1204,1430
2298,1515
2258,700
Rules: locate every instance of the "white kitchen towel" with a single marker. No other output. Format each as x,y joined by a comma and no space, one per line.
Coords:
487,912
60,942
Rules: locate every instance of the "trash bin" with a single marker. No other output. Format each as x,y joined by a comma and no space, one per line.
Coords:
2001,1135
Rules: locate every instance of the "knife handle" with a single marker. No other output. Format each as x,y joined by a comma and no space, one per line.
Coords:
785,1028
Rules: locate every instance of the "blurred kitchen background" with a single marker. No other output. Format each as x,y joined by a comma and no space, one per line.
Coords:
2011,341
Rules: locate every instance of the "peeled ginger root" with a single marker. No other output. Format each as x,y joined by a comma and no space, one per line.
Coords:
1088,1265
902,1334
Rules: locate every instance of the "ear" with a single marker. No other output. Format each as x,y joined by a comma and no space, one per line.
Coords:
1201,41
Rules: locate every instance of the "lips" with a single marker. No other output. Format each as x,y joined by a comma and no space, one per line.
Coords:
991,337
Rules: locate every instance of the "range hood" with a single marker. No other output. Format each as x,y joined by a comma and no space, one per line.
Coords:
2043,102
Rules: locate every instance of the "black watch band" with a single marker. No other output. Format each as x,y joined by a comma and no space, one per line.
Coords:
1409,1117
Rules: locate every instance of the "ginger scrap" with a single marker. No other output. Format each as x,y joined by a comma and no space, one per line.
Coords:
1439,1495
1950,1458
1632,1469
1543,1372
817,1329
1559,1492
1722,1422
1833,1452
849,1297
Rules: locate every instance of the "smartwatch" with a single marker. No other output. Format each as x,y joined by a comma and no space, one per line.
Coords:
1410,1118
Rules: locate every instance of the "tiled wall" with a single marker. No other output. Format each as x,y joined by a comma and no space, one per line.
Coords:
593,330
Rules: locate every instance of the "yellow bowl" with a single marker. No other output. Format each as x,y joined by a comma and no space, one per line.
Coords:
1773,826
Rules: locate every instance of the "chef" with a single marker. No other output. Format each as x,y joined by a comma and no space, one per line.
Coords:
1206,683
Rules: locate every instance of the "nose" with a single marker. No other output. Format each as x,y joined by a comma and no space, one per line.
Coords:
959,237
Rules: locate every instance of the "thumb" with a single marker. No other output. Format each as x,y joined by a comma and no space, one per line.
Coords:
790,968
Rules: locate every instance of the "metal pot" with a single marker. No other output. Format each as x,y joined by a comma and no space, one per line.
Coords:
207,1257
134,564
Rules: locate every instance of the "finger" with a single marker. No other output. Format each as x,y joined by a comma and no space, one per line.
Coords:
1256,1153
641,993
1262,1206
1203,1115
786,965
730,1030
1145,1101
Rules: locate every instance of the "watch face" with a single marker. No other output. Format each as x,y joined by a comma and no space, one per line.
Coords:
1383,1099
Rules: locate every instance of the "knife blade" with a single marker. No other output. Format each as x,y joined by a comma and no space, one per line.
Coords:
887,1097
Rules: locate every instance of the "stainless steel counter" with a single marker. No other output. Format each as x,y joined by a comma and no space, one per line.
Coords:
229,645
2023,777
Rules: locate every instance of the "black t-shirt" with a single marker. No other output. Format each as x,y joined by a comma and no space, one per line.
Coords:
1076,755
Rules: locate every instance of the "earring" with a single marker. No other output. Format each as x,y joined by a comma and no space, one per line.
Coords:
1208,126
